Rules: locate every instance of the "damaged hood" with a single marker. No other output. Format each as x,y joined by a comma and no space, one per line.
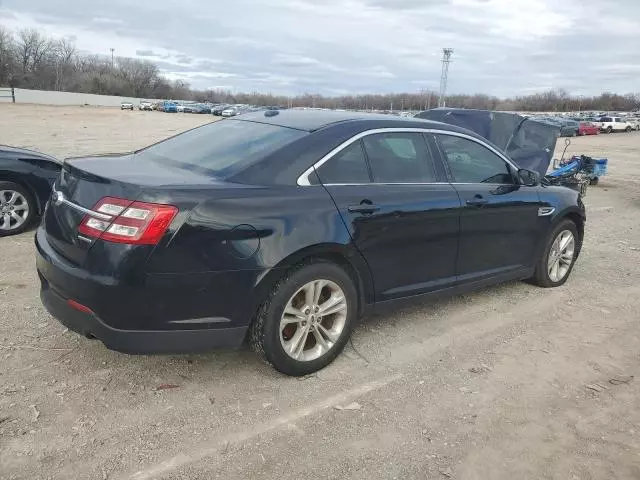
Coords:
528,141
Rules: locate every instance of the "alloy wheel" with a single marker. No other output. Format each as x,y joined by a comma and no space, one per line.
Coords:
313,320
14,210
561,256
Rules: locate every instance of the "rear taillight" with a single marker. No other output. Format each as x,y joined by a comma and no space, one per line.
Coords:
130,222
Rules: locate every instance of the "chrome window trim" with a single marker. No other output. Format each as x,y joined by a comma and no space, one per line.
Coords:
303,180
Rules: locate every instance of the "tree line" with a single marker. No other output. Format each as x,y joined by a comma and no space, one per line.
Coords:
29,59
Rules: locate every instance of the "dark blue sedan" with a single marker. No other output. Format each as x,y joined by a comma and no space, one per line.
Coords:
282,228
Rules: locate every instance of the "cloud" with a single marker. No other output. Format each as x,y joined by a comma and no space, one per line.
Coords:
502,47
146,53
107,21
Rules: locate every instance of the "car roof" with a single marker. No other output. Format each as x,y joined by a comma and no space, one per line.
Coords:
312,120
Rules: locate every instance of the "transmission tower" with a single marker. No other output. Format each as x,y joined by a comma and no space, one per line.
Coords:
446,60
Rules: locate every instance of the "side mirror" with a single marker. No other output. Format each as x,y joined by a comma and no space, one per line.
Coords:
528,178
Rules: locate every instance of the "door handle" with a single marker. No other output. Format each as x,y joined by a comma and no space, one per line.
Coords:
366,208
477,201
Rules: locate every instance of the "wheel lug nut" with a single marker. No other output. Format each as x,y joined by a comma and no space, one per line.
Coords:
307,311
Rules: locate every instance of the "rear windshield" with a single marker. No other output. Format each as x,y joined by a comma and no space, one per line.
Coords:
222,148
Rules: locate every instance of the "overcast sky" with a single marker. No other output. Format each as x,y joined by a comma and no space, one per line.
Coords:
502,47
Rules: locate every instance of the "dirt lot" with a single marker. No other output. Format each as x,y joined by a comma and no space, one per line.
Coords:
513,382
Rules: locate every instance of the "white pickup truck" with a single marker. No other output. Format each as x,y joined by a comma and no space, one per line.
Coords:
615,124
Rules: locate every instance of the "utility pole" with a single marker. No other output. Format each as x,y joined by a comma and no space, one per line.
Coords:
580,97
446,60
112,50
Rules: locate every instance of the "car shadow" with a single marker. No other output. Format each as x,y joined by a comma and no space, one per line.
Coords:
243,364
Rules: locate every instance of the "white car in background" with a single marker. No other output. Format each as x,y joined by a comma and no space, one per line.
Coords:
180,108
635,121
610,124
145,105
230,112
126,106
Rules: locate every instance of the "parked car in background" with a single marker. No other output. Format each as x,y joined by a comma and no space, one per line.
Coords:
588,128
180,107
145,105
170,107
569,128
203,108
611,124
634,121
126,106
218,109
25,186
230,112
196,108
248,229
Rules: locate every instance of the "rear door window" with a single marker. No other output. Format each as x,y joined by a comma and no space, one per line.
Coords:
349,165
399,158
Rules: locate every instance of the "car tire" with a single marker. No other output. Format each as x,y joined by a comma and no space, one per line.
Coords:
273,336
594,181
22,198
574,133
609,130
628,129
545,274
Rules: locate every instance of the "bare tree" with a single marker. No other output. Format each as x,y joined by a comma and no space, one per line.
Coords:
31,48
138,74
7,58
64,54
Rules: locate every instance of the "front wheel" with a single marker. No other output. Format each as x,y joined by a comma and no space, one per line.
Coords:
609,130
628,129
306,321
557,259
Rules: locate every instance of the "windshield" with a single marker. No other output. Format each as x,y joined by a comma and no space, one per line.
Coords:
222,148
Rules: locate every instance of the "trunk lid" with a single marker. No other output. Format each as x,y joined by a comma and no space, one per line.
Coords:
84,181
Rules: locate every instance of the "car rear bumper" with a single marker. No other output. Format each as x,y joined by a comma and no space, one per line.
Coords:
138,341
179,314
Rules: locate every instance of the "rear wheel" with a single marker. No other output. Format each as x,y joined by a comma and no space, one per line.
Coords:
628,129
609,129
557,259
17,208
306,321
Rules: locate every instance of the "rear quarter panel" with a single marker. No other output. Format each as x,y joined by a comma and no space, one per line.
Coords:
261,231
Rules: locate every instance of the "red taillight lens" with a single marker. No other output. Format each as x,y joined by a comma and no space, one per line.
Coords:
131,222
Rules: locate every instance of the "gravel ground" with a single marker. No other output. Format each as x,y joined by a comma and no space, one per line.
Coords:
510,382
